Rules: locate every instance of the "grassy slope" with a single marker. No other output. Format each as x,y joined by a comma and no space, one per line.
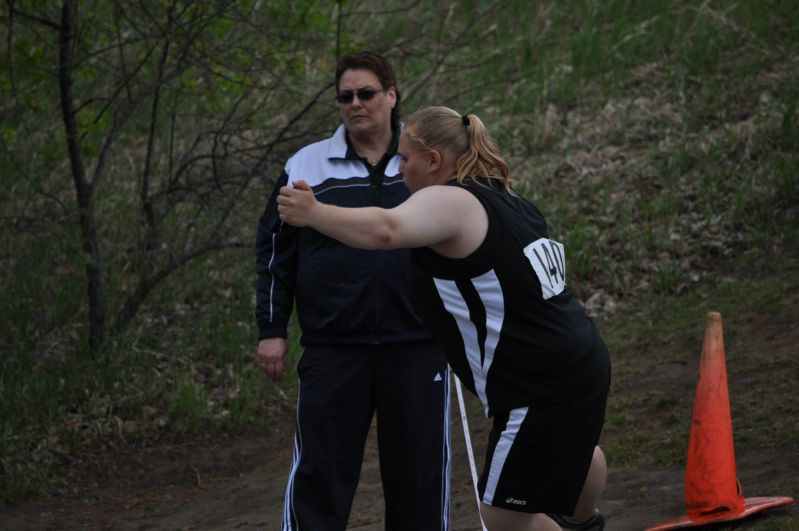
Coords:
674,181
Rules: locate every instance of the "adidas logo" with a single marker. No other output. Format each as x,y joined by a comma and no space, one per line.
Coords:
438,377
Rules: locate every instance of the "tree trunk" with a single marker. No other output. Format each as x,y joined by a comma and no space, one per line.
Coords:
83,188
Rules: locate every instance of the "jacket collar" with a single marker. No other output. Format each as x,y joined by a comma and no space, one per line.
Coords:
341,146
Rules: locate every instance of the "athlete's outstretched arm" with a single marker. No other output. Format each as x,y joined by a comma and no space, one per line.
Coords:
431,216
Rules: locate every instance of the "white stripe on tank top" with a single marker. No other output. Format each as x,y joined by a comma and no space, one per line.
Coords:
490,293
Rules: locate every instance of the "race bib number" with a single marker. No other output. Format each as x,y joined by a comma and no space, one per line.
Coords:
548,259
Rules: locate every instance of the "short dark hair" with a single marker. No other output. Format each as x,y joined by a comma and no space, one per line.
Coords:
381,67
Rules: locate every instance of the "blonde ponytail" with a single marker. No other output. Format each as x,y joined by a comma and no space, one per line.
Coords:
465,137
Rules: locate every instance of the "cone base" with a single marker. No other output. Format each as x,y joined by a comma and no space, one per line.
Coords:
751,506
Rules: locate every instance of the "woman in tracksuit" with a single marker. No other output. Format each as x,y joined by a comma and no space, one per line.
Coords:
490,284
366,354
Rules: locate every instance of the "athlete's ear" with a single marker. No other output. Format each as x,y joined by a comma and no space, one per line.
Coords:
435,160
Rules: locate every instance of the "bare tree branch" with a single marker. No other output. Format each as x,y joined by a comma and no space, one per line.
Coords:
143,289
35,18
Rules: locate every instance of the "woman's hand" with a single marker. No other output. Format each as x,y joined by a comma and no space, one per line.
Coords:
272,356
295,204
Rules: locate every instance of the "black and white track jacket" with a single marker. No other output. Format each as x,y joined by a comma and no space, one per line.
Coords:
344,296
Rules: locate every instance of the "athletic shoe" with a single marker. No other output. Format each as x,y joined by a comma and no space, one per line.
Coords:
595,523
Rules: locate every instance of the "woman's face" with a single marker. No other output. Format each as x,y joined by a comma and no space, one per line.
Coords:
363,117
414,164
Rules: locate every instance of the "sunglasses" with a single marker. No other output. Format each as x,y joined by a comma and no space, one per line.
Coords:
365,94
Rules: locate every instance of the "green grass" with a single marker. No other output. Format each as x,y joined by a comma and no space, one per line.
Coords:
188,405
179,369
669,330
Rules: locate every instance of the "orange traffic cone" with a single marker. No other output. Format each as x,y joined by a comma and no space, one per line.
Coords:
712,491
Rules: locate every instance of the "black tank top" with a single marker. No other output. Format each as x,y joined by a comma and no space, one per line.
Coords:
507,324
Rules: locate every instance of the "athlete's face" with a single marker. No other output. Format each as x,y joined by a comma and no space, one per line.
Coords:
415,163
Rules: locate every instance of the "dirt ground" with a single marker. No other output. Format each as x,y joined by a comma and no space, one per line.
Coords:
237,482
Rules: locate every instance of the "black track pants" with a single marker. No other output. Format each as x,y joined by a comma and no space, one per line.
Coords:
407,386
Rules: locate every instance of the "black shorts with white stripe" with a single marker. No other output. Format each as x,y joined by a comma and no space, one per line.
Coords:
538,457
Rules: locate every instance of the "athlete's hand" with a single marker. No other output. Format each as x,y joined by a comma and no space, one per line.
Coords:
272,356
295,204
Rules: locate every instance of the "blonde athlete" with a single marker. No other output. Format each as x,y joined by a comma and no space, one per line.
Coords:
490,284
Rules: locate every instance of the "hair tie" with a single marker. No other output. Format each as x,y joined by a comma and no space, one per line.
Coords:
465,119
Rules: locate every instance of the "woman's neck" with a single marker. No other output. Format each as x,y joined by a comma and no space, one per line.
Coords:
372,147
